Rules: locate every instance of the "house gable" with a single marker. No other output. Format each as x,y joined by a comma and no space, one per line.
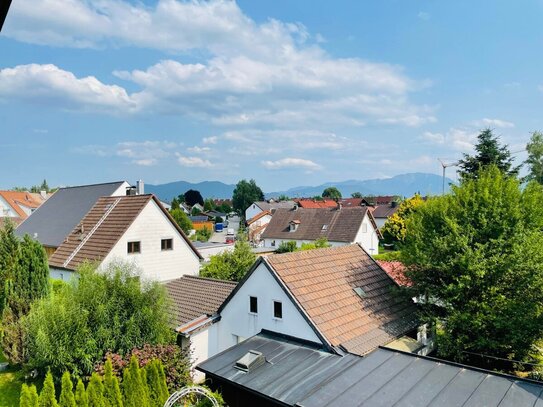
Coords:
238,323
155,263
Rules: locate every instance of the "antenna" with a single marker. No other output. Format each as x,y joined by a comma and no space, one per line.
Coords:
445,166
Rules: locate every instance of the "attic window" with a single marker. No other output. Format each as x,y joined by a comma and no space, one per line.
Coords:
360,292
250,361
293,225
324,227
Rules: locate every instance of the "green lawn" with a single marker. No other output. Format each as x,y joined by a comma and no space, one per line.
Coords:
10,385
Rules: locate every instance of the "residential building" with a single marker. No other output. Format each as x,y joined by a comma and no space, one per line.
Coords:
340,226
338,297
208,249
273,370
381,213
135,229
195,301
17,206
330,203
271,205
256,226
59,214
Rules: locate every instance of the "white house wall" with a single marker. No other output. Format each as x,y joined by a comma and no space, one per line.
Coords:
367,236
268,242
149,228
6,210
237,323
121,191
203,345
252,211
380,222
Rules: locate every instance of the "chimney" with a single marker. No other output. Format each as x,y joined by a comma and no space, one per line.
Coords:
130,191
339,206
140,187
43,194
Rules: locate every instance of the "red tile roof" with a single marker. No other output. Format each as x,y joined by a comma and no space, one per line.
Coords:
396,270
323,282
18,199
314,204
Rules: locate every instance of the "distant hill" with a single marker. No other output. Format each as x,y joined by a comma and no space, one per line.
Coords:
208,189
403,185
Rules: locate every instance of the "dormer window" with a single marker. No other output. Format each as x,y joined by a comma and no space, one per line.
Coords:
293,225
324,227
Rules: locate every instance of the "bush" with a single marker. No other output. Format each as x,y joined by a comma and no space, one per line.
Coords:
182,219
287,247
230,265
107,311
175,363
204,234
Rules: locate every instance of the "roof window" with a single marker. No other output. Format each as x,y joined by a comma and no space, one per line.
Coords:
360,292
250,361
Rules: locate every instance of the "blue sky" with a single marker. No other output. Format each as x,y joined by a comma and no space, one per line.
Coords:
286,92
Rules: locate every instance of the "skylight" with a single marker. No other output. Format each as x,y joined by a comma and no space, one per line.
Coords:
361,293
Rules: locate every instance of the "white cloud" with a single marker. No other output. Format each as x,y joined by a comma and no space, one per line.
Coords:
433,138
494,123
146,162
291,163
50,85
210,140
193,162
198,150
143,153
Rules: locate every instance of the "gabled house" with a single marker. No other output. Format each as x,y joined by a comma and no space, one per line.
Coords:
337,297
260,206
257,225
381,213
340,226
17,206
195,301
58,216
135,229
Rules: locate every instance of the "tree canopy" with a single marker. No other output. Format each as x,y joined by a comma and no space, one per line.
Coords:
332,193
488,152
110,310
245,193
476,256
230,265
535,158
356,195
182,219
193,197
394,229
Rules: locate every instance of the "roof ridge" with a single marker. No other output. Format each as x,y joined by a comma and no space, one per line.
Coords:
207,279
96,184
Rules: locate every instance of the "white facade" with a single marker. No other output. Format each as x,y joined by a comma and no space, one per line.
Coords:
213,249
121,191
366,236
149,228
203,345
380,222
6,210
238,323
252,211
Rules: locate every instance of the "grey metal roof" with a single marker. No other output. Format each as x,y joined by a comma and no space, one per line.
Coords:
60,214
299,375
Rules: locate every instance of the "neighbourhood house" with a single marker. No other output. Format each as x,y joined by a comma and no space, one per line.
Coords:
200,222
331,203
273,370
260,206
59,214
338,297
195,301
340,226
17,206
380,200
134,229
256,226
381,213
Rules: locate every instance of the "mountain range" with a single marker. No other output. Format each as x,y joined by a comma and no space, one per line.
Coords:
403,185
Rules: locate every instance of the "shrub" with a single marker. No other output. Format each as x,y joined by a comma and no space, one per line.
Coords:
112,390
230,265
111,310
67,398
47,396
95,392
81,399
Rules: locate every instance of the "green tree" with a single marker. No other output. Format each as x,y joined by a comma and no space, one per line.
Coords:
209,205
287,247
204,234
67,398
26,278
182,219
488,152
25,400
134,388
112,310
156,395
283,197
476,255
9,258
356,195
195,211
332,193
175,204
320,243
112,390
535,158
162,380
47,395
193,197
95,392
245,193
395,229
81,399
230,265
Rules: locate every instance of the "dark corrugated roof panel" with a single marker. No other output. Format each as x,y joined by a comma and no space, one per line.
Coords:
300,375
59,215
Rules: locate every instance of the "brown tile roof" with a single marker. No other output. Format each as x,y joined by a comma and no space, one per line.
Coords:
384,211
322,281
314,204
380,200
396,270
17,199
342,225
194,296
259,216
101,228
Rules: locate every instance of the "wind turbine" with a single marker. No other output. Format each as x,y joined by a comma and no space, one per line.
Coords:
445,165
